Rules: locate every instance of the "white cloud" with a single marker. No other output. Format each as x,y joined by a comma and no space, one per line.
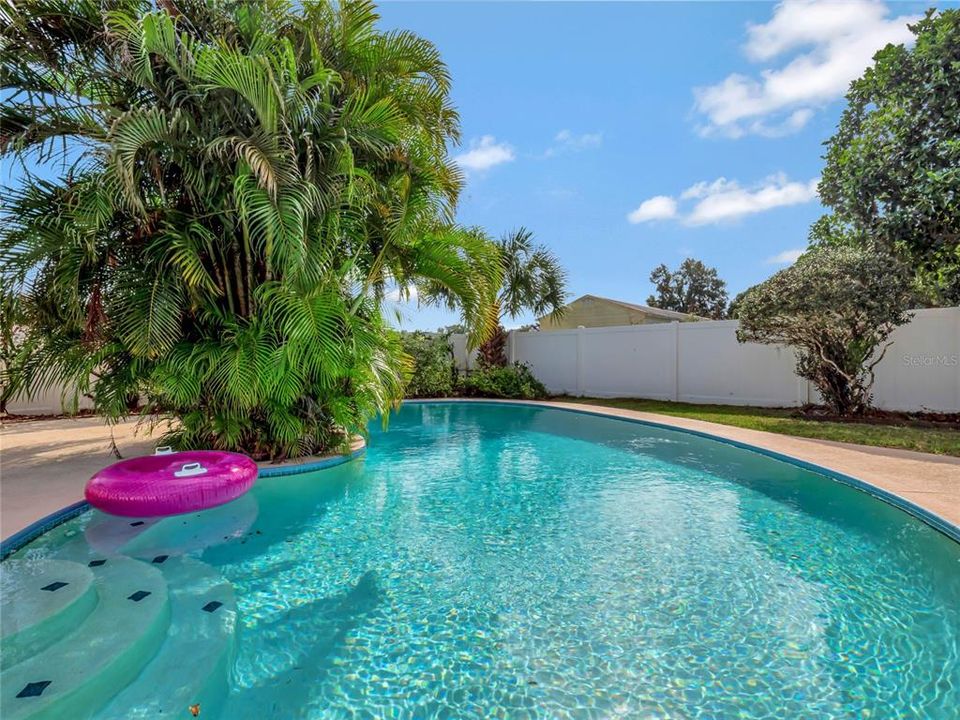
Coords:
578,142
792,123
724,200
787,257
395,295
703,188
484,154
838,41
568,141
661,207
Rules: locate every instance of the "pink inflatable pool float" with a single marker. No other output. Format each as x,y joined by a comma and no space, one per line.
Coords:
171,483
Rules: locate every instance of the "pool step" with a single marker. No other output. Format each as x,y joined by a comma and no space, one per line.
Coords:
40,602
106,534
193,532
75,676
192,666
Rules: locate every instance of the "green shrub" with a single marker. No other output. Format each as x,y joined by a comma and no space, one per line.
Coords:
432,371
512,381
215,194
836,306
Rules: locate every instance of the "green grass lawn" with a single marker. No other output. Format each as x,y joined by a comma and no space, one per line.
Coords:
782,420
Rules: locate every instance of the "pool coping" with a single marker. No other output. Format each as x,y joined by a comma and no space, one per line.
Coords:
23,537
934,520
47,523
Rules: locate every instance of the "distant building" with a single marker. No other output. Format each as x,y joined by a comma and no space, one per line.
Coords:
593,311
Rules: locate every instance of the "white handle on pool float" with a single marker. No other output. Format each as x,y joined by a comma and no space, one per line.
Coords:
163,450
190,469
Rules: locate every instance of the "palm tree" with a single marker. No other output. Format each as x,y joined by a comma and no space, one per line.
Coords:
533,281
237,184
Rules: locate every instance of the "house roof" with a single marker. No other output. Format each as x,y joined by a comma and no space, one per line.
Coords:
652,311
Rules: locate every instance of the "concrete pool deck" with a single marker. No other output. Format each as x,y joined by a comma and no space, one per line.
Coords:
44,464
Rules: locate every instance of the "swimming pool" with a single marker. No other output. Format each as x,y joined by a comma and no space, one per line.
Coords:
487,560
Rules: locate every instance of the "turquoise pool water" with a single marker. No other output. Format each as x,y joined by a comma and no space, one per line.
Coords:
490,561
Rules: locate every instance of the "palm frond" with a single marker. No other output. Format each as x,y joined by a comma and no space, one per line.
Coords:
248,177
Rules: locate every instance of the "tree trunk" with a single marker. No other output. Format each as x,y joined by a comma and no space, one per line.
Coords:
493,351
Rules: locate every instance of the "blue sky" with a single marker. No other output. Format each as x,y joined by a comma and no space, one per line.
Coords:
626,135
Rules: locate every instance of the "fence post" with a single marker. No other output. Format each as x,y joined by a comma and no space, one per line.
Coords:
956,358
511,347
676,360
579,362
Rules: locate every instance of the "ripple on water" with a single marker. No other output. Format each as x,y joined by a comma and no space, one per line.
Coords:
487,561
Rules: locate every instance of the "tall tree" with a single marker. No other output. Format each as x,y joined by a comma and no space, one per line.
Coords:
733,310
692,288
12,321
533,281
245,180
836,307
892,175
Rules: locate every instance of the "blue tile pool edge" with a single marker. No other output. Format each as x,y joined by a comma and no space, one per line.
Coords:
30,533
281,470
938,523
35,530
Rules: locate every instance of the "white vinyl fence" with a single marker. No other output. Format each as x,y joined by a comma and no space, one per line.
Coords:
46,403
702,362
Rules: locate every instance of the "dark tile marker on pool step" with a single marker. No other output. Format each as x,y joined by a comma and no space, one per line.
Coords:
138,523
34,689
160,559
212,606
96,563
138,595
54,586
